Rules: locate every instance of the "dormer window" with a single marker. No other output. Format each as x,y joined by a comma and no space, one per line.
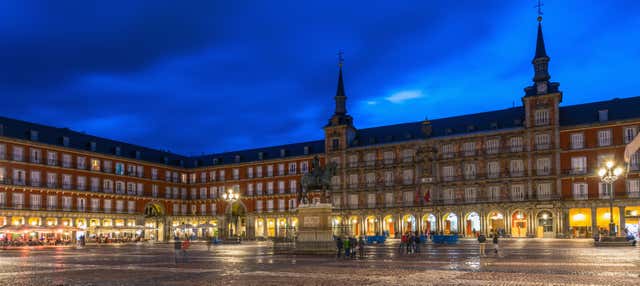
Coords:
92,146
117,150
138,155
215,161
1,130
448,131
165,159
283,152
603,115
494,125
33,135
306,150
65,141
181,163
237,159
471,128
196,163
517,122
260,155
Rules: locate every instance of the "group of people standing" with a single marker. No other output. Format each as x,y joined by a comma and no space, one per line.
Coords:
482,240
180,249
350,245
409,243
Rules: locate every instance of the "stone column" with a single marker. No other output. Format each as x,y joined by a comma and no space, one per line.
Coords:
507,222
265,227
594,221
622,220
565,222
532,224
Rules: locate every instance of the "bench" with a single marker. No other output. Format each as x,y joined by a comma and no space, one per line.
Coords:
614,241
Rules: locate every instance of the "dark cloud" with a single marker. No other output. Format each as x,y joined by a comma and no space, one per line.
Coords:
209,76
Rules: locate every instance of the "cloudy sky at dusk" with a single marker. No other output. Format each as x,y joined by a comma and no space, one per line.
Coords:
217,76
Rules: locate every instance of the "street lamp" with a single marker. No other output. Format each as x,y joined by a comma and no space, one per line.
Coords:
230,196
608,175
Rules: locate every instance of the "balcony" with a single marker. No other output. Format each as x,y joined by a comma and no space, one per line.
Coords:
52,162
543,172
542,147
3,155
35,183
580,196
633,194
52,185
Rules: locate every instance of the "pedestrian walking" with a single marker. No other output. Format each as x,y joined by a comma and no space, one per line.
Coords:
417,243
209,242
185,246
339,245
482,241
409,242
177,246
347,249
403,240
495,243
361,246
353,242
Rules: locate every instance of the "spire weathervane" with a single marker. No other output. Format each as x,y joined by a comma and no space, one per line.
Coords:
340,58
539,6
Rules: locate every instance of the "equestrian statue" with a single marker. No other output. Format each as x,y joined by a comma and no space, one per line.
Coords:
318,178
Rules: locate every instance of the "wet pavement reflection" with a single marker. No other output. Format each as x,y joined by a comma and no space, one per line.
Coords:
520,262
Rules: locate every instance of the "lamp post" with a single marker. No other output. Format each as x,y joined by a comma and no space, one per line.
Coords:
608,175
230,196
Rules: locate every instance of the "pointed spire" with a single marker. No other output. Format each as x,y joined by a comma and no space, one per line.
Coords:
340,116
541,52
341,97
541,60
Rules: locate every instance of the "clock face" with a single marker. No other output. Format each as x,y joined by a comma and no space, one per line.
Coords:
542,87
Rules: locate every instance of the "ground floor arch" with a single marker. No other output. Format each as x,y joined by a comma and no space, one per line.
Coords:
371,225
354,226
409,223
545,228
450,223
496,222
472,224
429,223
519,224
388,226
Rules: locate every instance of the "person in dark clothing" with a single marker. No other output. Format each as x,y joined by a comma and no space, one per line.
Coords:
339,245
495,243
361,246
177,247
417,243
353,242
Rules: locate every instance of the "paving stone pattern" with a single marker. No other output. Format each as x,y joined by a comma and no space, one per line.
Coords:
521,262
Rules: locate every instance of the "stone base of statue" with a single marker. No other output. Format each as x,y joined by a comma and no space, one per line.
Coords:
314,230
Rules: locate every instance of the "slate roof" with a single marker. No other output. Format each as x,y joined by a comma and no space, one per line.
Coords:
499,119
587,113
77,140
251,155
618,109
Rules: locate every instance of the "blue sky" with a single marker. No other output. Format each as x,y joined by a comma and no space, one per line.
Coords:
217,76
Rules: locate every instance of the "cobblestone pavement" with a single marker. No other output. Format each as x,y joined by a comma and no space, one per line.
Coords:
522,262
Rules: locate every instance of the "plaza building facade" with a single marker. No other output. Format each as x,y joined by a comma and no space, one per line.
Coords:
527,171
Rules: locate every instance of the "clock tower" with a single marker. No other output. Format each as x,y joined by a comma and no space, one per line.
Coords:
541,100
339,132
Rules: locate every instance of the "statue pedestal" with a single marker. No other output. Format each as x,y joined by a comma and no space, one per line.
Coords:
314,231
